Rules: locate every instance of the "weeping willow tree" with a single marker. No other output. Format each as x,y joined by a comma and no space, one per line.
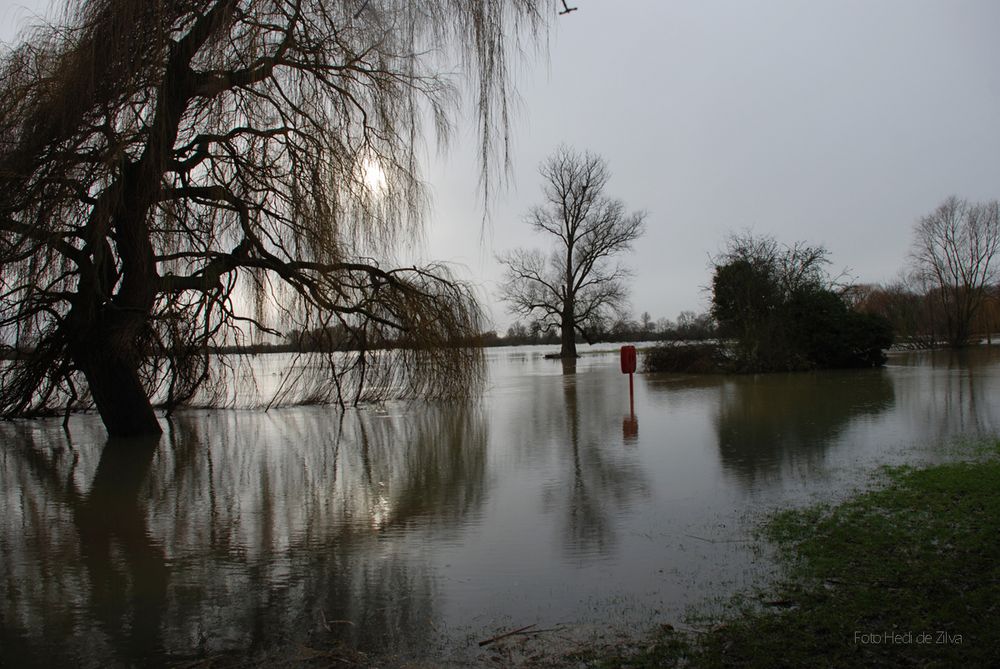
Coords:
179,175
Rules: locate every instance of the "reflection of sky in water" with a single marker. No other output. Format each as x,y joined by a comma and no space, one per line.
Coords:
427,526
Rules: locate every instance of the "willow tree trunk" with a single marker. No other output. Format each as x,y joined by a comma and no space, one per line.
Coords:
106,354
107,332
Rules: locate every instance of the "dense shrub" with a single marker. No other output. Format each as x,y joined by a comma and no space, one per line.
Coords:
824,333
685,358
778,311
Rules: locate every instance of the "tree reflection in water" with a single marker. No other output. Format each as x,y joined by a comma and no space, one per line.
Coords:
237,532
113,560
603,481
960,399
768,423
243,531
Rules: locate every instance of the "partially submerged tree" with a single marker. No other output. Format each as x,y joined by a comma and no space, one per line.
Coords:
778,307
176,173
577,285
955,251
754,278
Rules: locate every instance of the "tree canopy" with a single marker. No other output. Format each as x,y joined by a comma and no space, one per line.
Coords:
955,251
778,307
187,174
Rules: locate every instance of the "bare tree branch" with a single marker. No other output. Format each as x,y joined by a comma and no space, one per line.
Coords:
576,288
183,176
955,250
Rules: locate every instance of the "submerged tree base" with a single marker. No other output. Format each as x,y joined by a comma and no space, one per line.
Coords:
905,576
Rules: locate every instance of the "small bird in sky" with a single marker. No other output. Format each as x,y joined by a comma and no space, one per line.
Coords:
567,9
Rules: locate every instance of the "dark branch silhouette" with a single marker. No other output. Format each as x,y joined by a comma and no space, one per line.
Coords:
183,176
577,287
566,9
955,253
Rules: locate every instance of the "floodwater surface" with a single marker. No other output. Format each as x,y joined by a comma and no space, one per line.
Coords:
416,530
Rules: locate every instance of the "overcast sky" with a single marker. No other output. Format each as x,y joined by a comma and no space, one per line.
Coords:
835,122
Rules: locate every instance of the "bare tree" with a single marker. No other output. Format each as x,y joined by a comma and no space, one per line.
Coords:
954,250
576,286
647,323
193,173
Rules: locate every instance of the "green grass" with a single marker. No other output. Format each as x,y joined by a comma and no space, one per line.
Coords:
906,575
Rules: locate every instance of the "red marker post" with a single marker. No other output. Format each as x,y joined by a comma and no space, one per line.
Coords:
630,426
628,367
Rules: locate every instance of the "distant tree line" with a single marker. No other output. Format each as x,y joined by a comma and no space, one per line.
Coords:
778,309
689,326
919,315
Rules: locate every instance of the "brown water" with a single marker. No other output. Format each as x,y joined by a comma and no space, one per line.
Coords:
417,530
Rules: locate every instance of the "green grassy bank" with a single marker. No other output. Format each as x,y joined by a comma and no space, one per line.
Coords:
907,575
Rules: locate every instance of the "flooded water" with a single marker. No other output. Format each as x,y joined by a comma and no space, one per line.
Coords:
417,530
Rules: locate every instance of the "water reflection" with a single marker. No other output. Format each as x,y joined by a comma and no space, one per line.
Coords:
411,526
114,574
769,424
601,481
630,428
125,566
960,397
241,531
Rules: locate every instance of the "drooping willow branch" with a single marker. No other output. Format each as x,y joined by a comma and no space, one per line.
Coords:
183,177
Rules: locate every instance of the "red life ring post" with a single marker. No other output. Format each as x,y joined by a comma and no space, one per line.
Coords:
628,367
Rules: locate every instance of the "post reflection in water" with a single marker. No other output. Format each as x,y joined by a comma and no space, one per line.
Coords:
630,429
601,482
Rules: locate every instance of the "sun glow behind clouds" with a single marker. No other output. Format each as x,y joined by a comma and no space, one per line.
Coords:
373,176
